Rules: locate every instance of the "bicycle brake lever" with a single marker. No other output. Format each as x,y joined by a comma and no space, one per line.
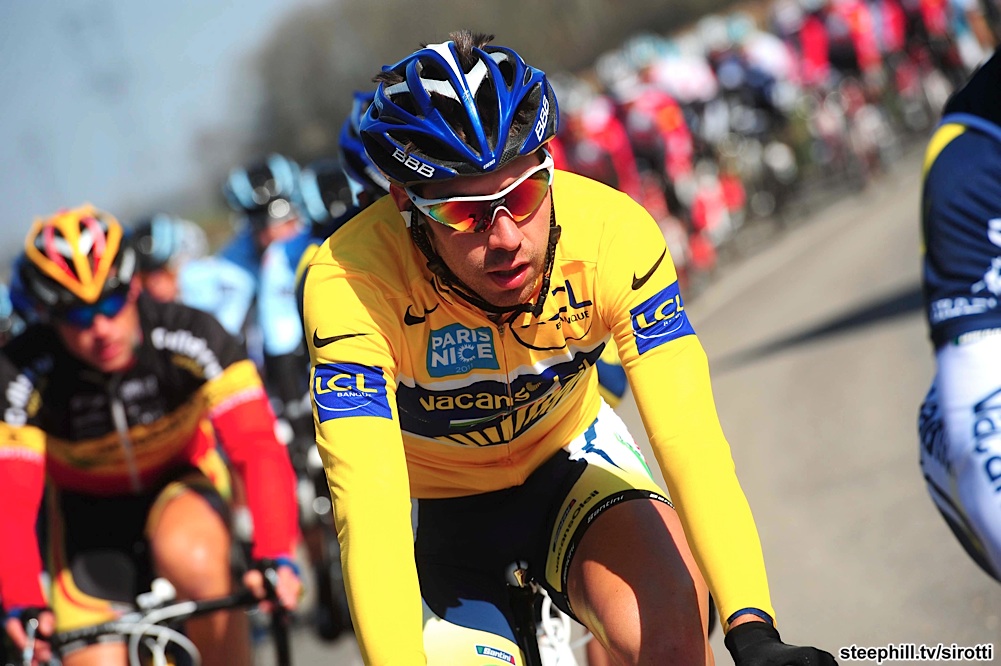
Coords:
271,582
30,630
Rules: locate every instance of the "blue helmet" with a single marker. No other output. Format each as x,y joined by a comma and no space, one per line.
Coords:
162,240
25,307
455,109
326,193
6,310
363,176
266,192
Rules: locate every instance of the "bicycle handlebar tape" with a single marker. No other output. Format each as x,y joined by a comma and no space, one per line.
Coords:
759,644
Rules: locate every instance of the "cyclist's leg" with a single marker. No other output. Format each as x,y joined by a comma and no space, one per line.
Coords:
632,572
597,655
464,618
463,549
190,545
94,554
620,558
960,429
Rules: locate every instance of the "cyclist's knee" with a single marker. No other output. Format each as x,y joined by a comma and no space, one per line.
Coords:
97,655
191,547
661,647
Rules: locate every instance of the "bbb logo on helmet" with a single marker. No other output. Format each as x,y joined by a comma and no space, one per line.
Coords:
540,127
413,163
659,319
349,389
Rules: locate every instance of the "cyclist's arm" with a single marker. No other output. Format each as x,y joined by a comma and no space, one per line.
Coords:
359,438
669,376
22,478
244,423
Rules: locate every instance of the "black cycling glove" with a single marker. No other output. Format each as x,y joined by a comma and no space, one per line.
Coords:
758,644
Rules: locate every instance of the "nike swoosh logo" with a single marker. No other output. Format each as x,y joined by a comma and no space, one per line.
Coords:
410,319
323,342
640,281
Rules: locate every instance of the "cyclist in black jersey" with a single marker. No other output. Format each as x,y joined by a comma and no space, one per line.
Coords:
113,405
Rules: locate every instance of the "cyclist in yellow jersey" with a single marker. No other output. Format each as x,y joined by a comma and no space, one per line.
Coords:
453,330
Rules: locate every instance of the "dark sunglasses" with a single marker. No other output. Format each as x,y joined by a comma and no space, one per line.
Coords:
82,316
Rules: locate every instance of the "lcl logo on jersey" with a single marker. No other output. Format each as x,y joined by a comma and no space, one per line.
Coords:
349,389
456,350
659,319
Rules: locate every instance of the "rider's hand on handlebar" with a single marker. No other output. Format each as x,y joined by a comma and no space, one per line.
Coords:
282,584
758,644
46,626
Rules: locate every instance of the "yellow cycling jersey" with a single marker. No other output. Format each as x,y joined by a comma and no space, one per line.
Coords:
418,393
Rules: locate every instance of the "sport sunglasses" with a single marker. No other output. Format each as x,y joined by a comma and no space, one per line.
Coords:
82,316
476,214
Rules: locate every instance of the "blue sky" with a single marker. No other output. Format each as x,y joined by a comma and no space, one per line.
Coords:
102,100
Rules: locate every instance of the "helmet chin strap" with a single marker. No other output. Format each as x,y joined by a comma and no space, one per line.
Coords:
438,267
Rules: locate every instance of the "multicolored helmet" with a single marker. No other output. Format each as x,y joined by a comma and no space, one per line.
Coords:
75,257
456,110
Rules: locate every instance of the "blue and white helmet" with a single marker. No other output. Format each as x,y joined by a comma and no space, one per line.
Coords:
161,240
326,192
266,192
458,116
363,175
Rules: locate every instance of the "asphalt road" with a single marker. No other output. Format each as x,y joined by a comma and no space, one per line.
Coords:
820,360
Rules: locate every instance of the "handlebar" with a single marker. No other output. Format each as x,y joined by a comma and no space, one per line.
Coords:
157,613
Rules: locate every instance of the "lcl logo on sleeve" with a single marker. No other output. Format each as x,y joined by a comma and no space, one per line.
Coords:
659,319
349,389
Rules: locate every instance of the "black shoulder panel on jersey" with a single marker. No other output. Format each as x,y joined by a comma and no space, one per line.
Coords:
981,96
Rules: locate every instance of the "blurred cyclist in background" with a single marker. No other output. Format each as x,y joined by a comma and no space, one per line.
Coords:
332,191
163,245
266,207
327,200
367,182
118,401
961,225
10,323
265,201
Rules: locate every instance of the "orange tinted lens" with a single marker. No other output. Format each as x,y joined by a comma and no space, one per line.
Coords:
462,215
521,202
527,197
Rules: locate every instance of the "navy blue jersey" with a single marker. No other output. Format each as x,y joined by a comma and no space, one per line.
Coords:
961,212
